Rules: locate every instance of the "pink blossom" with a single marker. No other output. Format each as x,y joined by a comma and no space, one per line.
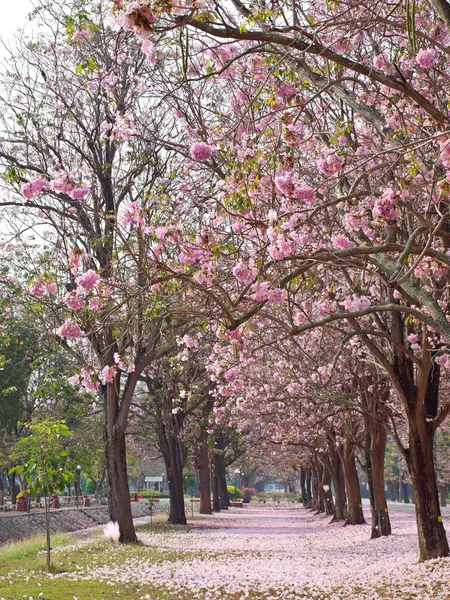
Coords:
200,151
75,380
94,304
304,192
426,58
189,342
109,373
260,291
88,280
243,273
444,361
331,164
37,288
276,296
79,193
69,329
413,338
284,183
385,207
79,36
342,242
34,187
74,302
134,214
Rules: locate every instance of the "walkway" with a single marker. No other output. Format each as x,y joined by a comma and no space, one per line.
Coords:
288,553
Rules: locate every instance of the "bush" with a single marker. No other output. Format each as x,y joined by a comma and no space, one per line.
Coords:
234,492
90,488
278,495
152,494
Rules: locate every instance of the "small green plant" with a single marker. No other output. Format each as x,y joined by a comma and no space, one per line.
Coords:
41,455
234,492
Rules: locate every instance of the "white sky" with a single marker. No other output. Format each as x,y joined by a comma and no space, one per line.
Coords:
13,15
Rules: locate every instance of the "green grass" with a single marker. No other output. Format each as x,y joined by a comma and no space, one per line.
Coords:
22,568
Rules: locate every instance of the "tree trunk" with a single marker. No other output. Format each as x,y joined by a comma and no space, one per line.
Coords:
118,491
419,456
305,498
12,487
173,454
326,488
204,474
47,533
337,475
220,481
393,492
355,515
319,496
381,524
442,494
309,486
405,493
177,511
215,487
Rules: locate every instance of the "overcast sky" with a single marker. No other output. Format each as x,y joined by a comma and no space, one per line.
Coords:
13,15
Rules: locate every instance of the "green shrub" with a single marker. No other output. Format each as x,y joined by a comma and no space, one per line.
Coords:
90,488
234,492
152,494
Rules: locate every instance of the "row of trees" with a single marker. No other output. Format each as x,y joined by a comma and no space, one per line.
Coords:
259,195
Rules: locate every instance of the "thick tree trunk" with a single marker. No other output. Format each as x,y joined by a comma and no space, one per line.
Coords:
219,474
432,538
118,491
319,497
303,482
204,474
337,475
177,511
173,454
355,515
381,524
223,490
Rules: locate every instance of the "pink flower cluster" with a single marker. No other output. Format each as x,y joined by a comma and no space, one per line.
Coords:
66,184
386,207
119,131
108,373
38,288
331,164
426,58
243,273
70,330
200,151
134,214
88,280
354,303
34,187
80,36
341,242
85,380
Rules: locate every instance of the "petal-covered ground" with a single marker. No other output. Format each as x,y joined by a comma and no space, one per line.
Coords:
270,553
